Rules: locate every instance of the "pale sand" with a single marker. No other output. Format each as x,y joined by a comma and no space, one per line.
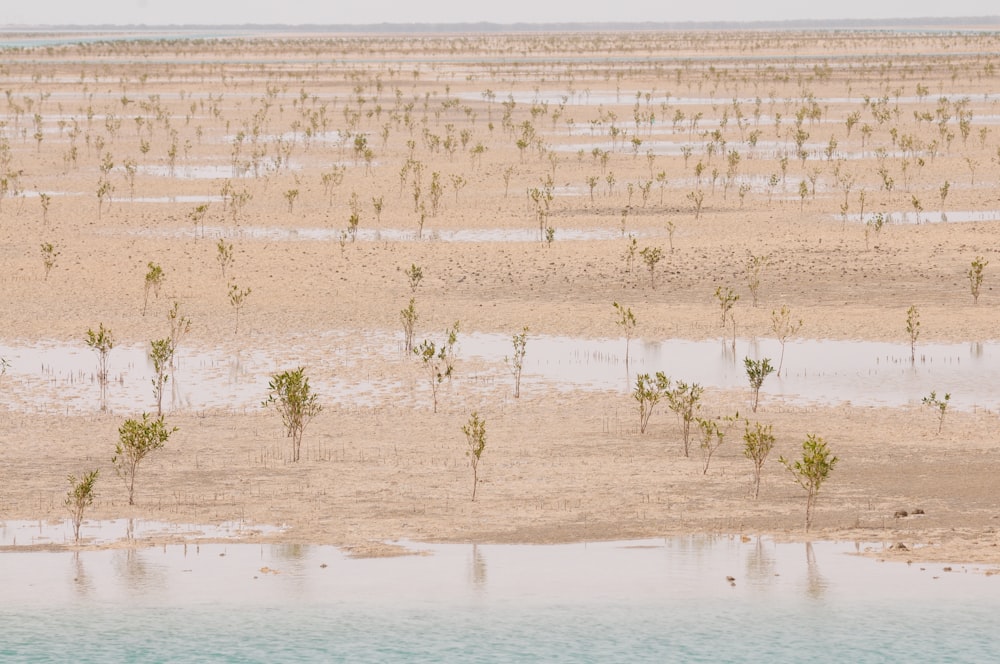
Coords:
559,465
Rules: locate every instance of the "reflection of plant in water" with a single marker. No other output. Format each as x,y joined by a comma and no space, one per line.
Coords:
760,561
478,567
101,342
80,574
816,583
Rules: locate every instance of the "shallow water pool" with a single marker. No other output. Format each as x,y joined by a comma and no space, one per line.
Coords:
649,600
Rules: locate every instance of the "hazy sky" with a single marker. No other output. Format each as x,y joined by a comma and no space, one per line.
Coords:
162,12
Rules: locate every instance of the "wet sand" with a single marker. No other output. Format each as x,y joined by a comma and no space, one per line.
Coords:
562,463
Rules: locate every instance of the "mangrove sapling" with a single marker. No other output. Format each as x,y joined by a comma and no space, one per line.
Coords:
224,256
180,325
757,445
783,327
101,342
648,392
415,275
713,435
685,401
696,197
626,321
941,405
49,255
290,394
913,330
197,217
757,371
516,363
154,281
237,298
136,439
651,256
874,226
408,317
161,353
630,251
755,266
727,300
79,497
475,438
439,361
812,470
975,275
45,200
943,194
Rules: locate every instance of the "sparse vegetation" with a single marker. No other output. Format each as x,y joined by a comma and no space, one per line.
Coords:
49,256
651,256
238,298
475,438
290,394
684,400
161,353
939,405
755,267
515,363
784,328
439,360
913,330
757,445
137,439
812,470
626,321
154,281
975,275
408,317
224,256
757,371
101,342
79,497
648,392
414,275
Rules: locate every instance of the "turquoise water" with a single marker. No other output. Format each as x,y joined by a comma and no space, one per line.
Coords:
654,600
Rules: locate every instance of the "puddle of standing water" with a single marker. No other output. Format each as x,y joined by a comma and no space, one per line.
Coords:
62,377
958,216
275,234
16,533
58,377
212,171
814,370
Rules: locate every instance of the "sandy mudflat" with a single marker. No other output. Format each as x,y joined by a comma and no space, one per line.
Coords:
563,462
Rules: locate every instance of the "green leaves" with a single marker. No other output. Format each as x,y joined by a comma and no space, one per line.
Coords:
757,371
290,393
648,392
475,437
439,361
940,404
812,470
136,440
79,497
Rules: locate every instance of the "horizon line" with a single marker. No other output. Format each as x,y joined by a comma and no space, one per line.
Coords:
431,26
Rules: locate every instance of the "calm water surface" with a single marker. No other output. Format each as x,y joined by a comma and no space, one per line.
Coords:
650,600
